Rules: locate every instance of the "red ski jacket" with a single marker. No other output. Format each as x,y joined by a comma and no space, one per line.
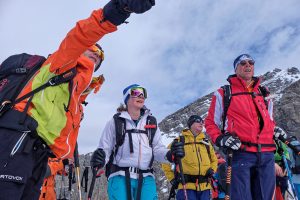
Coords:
248,117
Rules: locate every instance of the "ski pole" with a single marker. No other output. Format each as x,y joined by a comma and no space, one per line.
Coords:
286,166
95,175
77,166
70,177
181,171
228,176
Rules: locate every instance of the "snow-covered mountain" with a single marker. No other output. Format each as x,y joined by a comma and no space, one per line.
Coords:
278,81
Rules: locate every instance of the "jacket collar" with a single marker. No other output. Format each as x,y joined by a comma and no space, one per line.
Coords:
125,114
188,133
236,81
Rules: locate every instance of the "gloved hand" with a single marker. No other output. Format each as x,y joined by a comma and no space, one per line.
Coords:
98,159
209,173
137,6
117,11
229,141
176,152
280,134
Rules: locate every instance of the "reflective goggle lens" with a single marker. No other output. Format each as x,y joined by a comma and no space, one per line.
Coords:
138,92
100,52
199,121
244,62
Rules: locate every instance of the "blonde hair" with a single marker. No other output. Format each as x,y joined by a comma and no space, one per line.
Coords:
122,108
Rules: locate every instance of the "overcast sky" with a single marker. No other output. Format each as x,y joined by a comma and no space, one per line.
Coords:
180,50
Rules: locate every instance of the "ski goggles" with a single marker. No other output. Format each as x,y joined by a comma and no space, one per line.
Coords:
98,50
138,92
198,121
244,62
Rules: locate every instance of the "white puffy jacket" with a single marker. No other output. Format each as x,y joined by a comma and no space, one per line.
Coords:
142,152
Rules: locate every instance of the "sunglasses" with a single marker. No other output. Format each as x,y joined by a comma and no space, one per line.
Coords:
138,92
198,121
97,50
244,62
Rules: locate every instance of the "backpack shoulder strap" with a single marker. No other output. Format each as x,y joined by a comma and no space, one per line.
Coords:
226,103
208,148
120,125
264,92
151,128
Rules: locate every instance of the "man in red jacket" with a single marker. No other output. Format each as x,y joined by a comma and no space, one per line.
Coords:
248,130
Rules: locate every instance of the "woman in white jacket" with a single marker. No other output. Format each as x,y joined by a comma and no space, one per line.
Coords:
129,163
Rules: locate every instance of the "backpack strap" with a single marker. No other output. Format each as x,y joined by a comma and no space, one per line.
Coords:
120,125
206,146
151,128
56,80
264,92
226,103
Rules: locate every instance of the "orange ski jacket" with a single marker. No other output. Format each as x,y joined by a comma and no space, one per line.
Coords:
58,109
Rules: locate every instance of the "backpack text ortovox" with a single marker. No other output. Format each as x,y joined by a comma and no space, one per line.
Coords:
16,71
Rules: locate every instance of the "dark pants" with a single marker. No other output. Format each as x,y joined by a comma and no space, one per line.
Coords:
22,165
253,176
193,195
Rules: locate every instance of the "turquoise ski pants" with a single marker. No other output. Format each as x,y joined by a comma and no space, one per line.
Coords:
117,188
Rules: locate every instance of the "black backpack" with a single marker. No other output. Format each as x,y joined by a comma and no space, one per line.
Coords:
120,124
16,71
228,95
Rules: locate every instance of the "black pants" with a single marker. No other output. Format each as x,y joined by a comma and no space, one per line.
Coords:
22,165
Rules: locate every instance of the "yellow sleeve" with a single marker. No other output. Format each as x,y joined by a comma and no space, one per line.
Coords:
168,171
213,159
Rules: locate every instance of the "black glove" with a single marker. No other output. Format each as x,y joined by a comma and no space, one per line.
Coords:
114,13
137,6
279,134
176,152
229,141
98,159
209,173
117,11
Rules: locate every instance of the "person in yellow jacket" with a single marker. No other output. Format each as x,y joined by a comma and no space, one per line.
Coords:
199,163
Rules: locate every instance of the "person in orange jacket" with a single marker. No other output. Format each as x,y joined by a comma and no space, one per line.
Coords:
55,166
53,115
